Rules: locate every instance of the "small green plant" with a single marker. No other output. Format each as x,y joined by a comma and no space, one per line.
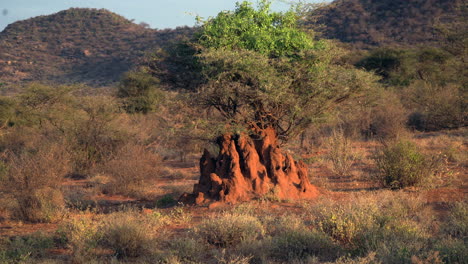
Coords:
180,215
401,165
166,201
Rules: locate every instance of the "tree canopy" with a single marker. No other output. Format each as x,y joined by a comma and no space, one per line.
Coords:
262,71
260,30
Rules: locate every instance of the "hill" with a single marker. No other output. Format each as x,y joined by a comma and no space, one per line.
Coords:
92,46
367,23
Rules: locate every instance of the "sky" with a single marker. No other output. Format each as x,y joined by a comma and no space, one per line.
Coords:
158,14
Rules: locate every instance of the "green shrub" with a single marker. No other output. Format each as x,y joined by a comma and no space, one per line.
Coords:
401,165
166,201
140,92
230,229
394,242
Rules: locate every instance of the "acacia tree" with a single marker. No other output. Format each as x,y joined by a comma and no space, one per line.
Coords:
269,80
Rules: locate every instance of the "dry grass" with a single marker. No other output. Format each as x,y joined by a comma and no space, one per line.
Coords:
131,171
33,180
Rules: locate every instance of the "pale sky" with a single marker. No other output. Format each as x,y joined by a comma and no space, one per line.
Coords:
158,14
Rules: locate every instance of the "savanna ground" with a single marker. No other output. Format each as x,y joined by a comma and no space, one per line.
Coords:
94,176
108,219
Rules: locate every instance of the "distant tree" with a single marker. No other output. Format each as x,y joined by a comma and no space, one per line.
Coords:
144,24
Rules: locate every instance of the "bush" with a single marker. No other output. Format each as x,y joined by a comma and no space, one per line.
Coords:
299,244
457,222
230,229
82,235
19,249
344,222
129,234
453,250
130,170
401,165
95,135
388,117
341,153
33,180
437,107
139,92
187,250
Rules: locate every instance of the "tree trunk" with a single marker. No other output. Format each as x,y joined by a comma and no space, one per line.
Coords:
248,168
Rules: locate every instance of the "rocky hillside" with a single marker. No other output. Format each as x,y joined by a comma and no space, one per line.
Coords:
367,23
95,46
77,45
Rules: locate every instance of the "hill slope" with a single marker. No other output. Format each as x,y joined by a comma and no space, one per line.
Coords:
77,45
367,23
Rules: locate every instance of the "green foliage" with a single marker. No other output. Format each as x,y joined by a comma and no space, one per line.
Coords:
263,31
401,165
253,91
166,201
400,67
383,61
140,92
176,66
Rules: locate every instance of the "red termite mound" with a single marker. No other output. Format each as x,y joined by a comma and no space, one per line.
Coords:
249,167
